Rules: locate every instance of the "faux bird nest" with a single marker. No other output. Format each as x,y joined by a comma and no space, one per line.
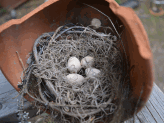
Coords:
96,98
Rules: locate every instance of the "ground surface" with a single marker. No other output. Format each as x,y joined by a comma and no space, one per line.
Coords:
153,25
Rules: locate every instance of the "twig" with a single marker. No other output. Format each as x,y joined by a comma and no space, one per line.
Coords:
21,61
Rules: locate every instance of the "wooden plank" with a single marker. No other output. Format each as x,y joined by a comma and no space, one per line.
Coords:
7,92
142,118
158,95
147,116
131,120
153,112
158,107
5,86
8,102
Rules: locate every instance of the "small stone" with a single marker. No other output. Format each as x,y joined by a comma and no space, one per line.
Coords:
96,23
13,14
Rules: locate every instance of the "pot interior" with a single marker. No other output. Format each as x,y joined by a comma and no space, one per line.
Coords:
20,37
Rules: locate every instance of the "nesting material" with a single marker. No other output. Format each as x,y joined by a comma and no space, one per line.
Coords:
79,92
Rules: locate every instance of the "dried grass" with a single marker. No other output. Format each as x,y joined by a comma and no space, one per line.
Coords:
97,98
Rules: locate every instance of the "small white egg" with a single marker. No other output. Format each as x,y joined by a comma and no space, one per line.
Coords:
74,65
87,62
75,79
92,72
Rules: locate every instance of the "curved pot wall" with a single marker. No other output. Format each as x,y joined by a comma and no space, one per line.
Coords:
20,34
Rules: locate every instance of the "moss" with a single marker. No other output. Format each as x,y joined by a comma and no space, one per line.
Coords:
118,1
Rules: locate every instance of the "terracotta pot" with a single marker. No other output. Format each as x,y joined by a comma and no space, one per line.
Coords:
20,34
11,4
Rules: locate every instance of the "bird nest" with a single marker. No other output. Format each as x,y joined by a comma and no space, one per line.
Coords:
90,99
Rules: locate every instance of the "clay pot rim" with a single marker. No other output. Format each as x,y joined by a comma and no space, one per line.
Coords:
114,6
134,24
25,17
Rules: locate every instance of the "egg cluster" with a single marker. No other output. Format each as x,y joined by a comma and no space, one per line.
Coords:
74,65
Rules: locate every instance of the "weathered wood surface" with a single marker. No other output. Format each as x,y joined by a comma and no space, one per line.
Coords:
153,112
8,102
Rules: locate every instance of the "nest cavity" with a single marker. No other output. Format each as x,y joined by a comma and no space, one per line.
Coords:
93,100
